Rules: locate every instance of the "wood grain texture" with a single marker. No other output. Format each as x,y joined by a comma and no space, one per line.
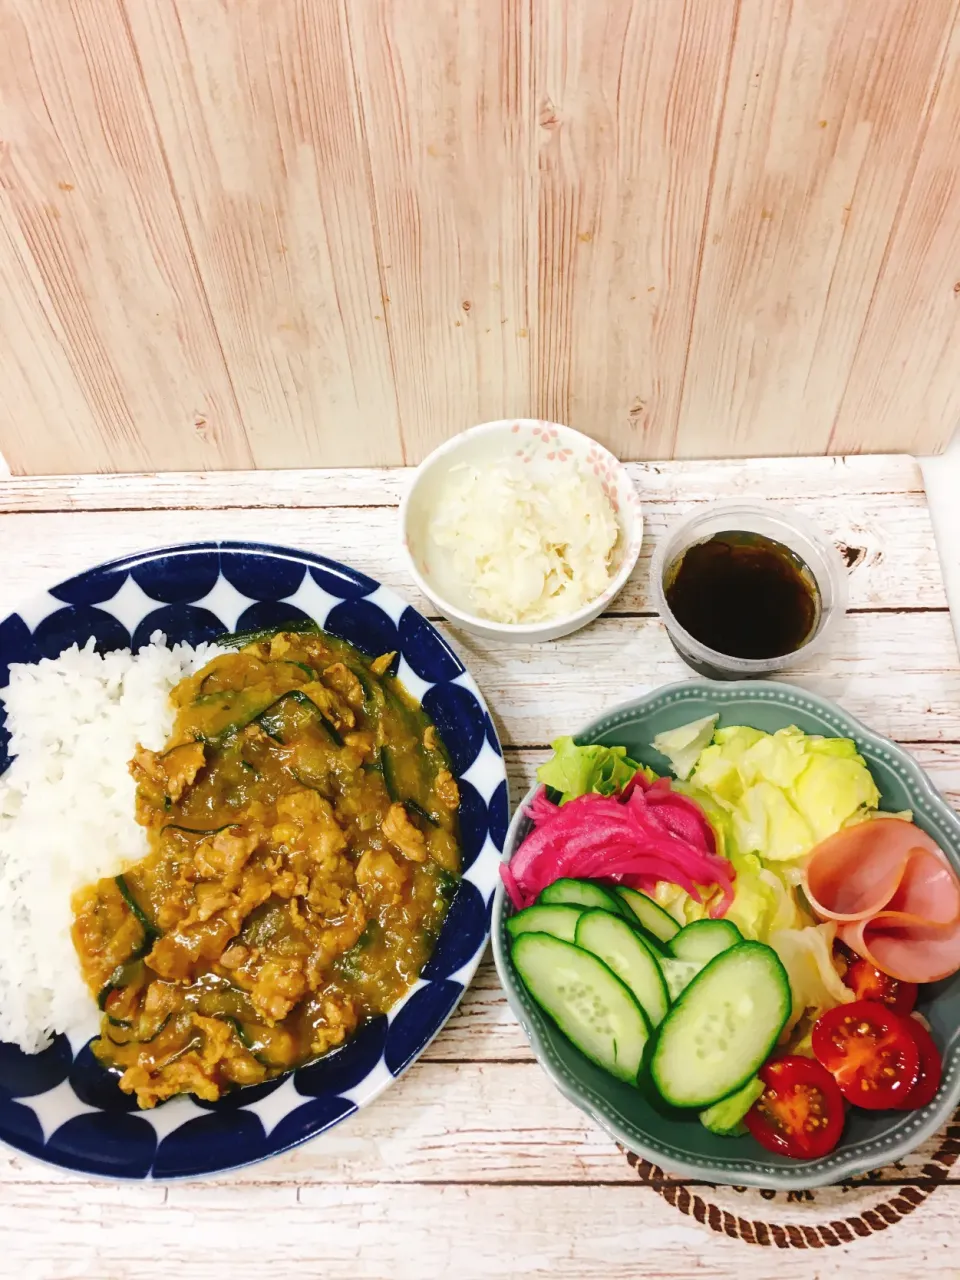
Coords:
900,572
472,1164
789,479
905,370
826,113
628,99
109,357
369,1232
520,1129
446,112
293,233
538,692
256,108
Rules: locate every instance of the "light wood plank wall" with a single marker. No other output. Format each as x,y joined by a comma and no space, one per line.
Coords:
284,233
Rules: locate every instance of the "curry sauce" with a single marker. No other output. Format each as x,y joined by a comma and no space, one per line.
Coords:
302,825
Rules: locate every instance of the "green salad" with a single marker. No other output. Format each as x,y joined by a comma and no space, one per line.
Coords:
662,921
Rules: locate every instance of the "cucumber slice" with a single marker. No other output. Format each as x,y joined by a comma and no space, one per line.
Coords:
586,1000
585,894
559,921
621,948
725,1117
704,939
658,948
648,915
678,974
690,950
723,1027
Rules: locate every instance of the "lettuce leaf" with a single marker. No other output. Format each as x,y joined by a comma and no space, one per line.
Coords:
682,746
785,791
577,770
678,903
767,823
807,956
777,758
762,901
831,790
737,739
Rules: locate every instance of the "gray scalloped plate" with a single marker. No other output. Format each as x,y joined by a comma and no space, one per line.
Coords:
678,1142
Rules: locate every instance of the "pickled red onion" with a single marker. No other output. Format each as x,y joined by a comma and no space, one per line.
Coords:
647,833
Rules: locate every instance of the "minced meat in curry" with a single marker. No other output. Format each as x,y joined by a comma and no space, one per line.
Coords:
303,836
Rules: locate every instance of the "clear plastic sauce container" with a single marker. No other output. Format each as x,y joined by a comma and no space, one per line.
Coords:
760,581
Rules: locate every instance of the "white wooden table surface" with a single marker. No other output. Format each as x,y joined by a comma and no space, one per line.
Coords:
472,1165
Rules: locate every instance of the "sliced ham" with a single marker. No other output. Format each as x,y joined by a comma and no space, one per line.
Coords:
894,896
928,890
909,951
853,874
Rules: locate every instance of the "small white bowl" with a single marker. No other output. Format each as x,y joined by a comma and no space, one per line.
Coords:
526,438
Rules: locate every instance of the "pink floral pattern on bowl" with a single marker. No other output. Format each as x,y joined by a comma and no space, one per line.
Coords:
541,440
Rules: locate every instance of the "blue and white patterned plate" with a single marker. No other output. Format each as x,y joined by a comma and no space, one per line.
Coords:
60,1105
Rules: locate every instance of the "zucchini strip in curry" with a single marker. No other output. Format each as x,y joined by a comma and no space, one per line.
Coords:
138,1039
268,720
413,807
393,791
386,769
198,831
149,928
122,975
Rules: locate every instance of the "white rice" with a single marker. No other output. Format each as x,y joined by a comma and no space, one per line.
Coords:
66,812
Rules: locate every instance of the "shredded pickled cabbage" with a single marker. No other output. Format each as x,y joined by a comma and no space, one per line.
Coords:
527,541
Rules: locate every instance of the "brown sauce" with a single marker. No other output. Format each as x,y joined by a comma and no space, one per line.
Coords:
744,595
304,849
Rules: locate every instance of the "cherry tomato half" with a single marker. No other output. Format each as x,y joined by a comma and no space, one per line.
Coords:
869,983
931,1068
800,1112
871,1053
